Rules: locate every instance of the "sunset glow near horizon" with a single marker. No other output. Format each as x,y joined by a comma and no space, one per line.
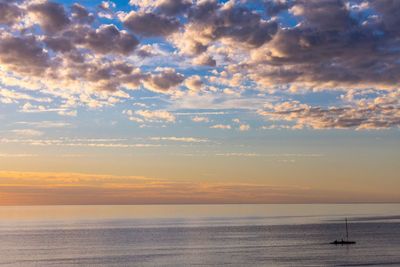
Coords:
189,102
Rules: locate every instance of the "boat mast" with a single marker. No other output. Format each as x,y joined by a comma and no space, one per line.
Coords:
347,232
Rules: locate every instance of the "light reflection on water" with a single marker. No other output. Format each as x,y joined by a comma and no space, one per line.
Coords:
199,235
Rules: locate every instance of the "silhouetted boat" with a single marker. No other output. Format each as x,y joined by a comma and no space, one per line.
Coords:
344,242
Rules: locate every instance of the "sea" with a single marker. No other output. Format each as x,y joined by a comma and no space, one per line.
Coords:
200,235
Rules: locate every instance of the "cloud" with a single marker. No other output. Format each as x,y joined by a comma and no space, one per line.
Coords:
244,127
173,7
165,7
328,48
106,9
9,13
156,115
2,155
9,96
163,81
389,16
81,14
200,119
64,56
221,126
204,60
30,140
194,83
146,51
50,188
232,24
180,139
107,38
23,55
29,108
330,15
27,132
107,5
45,124
379,113
51,15
150,24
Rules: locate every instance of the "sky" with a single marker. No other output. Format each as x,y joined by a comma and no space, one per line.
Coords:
189,102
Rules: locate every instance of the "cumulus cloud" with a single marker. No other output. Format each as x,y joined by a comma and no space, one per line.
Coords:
145,51
81,14
51,16
204,60
328,49
65,53
194,83
163,81
9,13
107,38
166,7
232,24
379,113
150,24
173,7
23,55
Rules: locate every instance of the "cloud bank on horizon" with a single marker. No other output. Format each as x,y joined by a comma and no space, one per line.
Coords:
269,57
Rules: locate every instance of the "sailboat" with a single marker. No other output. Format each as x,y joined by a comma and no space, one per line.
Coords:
344,242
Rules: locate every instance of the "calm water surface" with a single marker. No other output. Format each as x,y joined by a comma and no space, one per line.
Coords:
199,235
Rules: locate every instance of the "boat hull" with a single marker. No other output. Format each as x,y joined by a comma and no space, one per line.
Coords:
342,242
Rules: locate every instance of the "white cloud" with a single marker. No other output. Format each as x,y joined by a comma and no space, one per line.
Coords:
180,139
221,126
156,115
200,119
27,132
244,127
46,124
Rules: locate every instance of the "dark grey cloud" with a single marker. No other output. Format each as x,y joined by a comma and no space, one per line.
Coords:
330,48
81,14
274,7
51,15
203,10
104,76
150,24
389,11
23,55
213,21
59,44
108,39
323,14
173,7
9,13
163,81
